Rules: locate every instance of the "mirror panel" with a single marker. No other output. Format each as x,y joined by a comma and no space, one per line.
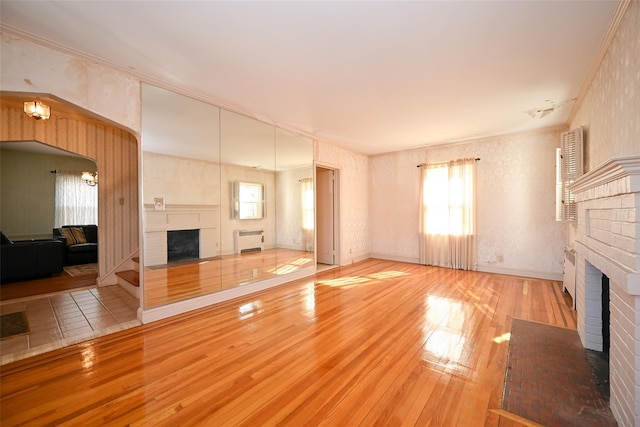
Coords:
196,158
181,196
294,202
247,156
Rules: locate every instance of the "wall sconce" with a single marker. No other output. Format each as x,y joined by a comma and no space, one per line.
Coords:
37,110
91,179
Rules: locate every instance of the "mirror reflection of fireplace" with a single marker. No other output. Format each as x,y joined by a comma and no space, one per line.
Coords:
183,245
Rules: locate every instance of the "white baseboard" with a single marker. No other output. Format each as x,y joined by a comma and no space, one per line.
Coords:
390,257
545,275
355,258
486,268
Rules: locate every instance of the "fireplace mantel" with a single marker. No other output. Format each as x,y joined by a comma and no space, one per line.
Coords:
608,242
179,217
617,169
608,199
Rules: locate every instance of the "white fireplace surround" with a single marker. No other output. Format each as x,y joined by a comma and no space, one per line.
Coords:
178,217
607,241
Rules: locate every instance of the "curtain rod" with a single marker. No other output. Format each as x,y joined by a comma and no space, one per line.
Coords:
61,171
441,163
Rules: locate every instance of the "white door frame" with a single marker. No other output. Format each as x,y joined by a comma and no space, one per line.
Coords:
336,211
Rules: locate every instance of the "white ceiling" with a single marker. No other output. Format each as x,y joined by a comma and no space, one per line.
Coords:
373,76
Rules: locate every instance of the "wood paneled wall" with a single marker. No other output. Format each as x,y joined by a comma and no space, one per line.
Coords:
115,152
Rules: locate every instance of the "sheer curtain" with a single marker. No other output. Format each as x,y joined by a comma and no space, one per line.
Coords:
448,214
306,186
76,203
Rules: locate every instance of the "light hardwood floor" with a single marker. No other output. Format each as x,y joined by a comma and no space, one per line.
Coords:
374,343
177,282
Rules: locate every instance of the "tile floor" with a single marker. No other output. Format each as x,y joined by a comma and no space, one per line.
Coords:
66,318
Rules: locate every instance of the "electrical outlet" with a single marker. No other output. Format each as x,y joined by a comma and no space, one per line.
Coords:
255,272
500,258
158,203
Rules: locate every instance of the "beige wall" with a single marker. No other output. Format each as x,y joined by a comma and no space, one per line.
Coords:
31,68
610,111
27,191
354,198
516,202
165,176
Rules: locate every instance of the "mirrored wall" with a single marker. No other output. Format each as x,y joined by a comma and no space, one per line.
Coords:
228,200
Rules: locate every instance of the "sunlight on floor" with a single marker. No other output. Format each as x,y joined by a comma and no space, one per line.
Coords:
502,338
357,280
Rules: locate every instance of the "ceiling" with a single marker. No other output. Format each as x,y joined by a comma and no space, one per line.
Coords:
372,76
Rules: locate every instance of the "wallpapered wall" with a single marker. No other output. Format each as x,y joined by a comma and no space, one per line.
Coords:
354,198
29,67
610,111
205,188
516,202
27,191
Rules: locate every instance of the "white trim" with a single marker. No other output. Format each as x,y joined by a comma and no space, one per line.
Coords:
612,170
534,274
391,257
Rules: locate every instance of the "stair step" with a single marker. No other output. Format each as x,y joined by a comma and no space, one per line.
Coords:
131,276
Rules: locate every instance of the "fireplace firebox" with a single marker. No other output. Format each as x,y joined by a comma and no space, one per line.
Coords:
183,245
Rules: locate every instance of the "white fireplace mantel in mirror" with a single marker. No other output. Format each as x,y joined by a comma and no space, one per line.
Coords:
178,217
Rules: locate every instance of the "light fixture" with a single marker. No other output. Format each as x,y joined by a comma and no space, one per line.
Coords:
549,107
540,112
37,109
90,178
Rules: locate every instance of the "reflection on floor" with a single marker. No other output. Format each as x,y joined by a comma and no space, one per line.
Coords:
66,318
187,280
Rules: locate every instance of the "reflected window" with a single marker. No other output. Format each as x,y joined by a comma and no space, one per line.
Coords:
248,200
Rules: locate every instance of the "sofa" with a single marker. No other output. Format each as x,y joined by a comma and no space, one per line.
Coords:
30,259
81,243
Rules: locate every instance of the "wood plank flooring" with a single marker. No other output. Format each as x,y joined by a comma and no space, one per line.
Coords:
45,285
177,282
375,343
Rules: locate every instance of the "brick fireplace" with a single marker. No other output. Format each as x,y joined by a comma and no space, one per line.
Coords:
607,241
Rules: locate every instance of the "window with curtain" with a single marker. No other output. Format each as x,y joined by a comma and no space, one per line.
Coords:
76,203
448,214
307,213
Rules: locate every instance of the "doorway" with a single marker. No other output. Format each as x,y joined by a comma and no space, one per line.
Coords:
328,217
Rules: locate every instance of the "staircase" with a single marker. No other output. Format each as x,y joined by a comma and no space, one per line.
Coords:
129,280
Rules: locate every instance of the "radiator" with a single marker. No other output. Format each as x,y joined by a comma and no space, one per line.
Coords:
248,240
570,273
